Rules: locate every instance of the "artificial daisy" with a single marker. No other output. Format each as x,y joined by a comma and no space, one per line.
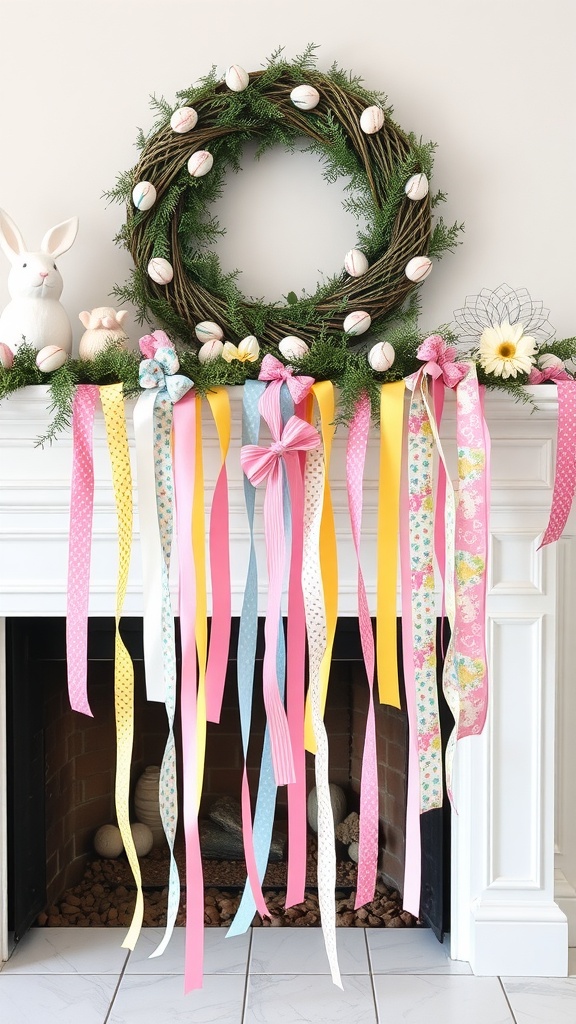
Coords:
505,350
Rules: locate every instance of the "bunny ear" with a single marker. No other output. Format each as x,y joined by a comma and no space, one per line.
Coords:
11,240
59,239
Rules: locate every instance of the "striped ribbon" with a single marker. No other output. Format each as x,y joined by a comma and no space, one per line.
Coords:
368,840
113,409
80,544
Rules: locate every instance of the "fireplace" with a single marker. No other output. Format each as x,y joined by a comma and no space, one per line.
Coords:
504,917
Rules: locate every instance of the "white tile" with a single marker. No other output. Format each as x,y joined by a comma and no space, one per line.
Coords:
314,999
542,1000
69,951
301,951
422,999
48,999
151,999
411,951
221,955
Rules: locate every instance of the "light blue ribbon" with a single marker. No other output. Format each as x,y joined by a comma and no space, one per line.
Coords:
247,636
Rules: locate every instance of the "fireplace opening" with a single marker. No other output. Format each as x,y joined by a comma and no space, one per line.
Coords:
61,790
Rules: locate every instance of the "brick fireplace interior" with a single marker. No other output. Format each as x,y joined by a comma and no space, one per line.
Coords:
61,774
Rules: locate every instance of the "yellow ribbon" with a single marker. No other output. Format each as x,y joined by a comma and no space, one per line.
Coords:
199,549
324,394
114,419
391,420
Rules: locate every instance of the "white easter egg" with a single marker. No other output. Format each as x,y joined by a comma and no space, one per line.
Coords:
417,187
208,330
381,356
293,348
183,120
418,268
200,163
371,120
50,358
550,362
6,356
236,78
210,350
160,270
305,97
144,195
357,322
355,263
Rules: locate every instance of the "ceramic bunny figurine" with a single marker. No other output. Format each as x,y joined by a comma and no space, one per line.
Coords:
35,314
103,324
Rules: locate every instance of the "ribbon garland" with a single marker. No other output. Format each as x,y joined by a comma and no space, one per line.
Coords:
80,544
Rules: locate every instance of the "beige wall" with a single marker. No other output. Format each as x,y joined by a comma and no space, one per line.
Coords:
491,81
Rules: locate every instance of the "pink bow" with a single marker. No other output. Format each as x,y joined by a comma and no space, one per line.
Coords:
297,436
151,342
273,370
550,373
439,358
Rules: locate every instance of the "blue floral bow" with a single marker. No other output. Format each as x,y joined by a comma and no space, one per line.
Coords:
161,373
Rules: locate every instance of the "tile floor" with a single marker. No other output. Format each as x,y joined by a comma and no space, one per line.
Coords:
270,976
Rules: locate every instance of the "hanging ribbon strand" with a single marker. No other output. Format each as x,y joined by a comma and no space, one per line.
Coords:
391,421
219,564
113,408
80,544
565,478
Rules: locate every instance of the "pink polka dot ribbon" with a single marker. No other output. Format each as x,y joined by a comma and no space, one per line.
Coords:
565,479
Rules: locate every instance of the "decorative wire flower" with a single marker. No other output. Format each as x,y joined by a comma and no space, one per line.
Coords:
507,323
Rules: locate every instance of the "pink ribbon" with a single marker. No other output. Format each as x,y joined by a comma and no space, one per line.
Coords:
551,373
565,478
265,464
368,840
439,358
80,544
275,372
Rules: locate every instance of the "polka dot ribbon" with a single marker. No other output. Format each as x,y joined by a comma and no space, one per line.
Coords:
113,408
80,543
565,479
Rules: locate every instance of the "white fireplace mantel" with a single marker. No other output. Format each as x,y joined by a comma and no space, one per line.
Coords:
505,919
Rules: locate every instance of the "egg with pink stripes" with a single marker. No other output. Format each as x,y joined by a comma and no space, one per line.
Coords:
355,263
144,195
50,358
183,120
200,163
418,268
236,78
357,322
305,97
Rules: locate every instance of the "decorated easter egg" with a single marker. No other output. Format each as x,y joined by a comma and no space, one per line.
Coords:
160,270
183,120
417,187
371,120
200,163
50,358
208,330
293,348
355,263
418,268
108,842
144,195
305,97
210,350
357,322
6,356
550,362
381,356
236,78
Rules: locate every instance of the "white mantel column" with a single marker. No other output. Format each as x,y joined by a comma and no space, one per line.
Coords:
506,921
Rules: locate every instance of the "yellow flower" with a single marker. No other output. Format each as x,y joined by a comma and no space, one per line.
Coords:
505,350
246,352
